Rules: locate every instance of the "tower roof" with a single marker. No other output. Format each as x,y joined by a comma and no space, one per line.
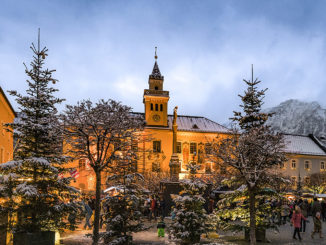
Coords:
156,74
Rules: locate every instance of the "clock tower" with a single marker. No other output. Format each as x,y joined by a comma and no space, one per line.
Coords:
156,99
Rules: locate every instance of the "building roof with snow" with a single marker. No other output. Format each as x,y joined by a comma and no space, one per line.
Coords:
303,145
197,124
193,124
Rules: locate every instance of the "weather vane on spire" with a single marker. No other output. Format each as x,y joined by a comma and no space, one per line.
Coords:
155,53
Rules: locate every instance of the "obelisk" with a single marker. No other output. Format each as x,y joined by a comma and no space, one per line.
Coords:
174,164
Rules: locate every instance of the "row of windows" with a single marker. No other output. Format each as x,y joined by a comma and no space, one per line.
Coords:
192,147
307,165
156,107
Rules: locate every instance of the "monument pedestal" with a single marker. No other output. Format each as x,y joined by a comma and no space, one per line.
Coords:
175,167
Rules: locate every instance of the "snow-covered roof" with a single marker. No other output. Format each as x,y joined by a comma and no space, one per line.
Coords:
193,124
197,124
301,144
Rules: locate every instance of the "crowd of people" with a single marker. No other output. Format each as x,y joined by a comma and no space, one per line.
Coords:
154,207
298,211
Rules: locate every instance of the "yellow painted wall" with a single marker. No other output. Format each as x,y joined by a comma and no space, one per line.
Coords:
6,138
147,157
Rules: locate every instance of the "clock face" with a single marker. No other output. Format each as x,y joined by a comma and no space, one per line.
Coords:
156,118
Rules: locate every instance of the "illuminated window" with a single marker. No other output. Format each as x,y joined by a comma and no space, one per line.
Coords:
193,148
134,145
161,107
152,107
294,164
156,146
82,164
294,180
156,107
306,180
223,170
322,165
179,147
306,165
1,155
156,167
208,148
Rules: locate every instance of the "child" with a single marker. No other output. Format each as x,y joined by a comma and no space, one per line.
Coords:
317,226
296,221
160,228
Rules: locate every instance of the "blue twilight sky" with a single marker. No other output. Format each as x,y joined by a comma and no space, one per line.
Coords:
105,49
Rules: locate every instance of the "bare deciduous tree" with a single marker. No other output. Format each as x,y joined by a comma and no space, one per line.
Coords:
99,132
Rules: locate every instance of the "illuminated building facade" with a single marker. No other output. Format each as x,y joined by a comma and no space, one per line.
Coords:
7,115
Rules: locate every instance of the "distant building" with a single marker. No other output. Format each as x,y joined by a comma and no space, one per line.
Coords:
7,115
306,155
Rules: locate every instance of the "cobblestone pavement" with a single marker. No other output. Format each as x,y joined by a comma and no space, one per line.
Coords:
284,236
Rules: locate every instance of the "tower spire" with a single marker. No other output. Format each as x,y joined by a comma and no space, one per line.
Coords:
156,74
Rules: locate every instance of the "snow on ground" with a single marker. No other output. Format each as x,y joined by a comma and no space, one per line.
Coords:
284,236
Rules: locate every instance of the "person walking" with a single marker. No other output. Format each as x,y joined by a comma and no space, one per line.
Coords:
316,207
152,209
160,228
304,210
296,221
317,226
323,210
162,207
284,212
89,213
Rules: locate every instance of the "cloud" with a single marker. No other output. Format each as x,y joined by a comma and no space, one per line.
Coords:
104,49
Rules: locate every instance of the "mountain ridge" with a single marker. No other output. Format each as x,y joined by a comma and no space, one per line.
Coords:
298,117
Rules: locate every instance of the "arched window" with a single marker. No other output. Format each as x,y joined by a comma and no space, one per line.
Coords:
161,107
156,107
152,107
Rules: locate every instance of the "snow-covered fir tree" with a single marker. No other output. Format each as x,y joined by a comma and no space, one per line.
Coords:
190,217
123,212
30,183
253,150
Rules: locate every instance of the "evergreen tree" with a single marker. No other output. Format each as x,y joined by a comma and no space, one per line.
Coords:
123,212
252,151
190,221
30,183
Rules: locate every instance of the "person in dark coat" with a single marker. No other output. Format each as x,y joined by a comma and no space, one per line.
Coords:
323,210
317,226
162,207
304,210
316,207
88,214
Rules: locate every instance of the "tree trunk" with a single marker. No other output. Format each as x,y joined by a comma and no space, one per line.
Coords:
97,208
252,210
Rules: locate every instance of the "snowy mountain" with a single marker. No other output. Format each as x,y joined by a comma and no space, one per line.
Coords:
298,117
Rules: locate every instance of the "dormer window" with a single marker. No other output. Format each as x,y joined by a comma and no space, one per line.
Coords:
195,126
